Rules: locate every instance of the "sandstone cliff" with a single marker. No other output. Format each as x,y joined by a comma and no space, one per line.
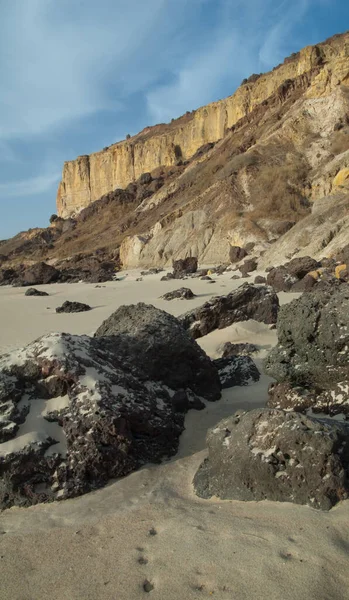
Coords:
87,178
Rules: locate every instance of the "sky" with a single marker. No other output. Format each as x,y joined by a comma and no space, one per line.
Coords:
79,75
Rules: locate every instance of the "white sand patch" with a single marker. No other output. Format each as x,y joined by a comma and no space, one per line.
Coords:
37,429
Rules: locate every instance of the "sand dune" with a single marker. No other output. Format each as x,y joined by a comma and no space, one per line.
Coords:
149,529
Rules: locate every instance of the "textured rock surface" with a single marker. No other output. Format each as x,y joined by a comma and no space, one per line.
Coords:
242,349
89,177
35,292
38,274
184,266
247,302
236,370
76,412
182,293
312,355
72,307
165,350
275,455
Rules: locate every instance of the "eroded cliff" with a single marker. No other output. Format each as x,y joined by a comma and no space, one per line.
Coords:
89,177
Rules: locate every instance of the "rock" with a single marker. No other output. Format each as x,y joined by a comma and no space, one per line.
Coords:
304,285
259,279
299,267
236,254
167,277
236,370
236,277
241,349
280,279
206,278
182,293
92,412
72,307
7,276
165,350
275,455
90,269
312,355
35,292
37,274
184,266
248,266
247,302
145,178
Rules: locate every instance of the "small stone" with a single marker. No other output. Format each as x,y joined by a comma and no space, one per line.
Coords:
153,531
147,586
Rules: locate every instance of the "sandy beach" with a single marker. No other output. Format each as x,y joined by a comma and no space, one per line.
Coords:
150,526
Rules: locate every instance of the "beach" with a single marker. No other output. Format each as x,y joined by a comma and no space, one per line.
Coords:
149,532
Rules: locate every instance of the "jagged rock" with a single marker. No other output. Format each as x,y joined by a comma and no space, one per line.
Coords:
275,455
242,349
165,350
312,355
260,279
248,266
87,268
247,302
39,273
184,266
72,307
182,293
35,292
236,254
76,412
299,267
280,279
236,370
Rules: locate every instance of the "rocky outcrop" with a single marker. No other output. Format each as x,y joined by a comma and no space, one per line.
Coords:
35,292
165,350
87,178
279,456
184,266
311,360
247,302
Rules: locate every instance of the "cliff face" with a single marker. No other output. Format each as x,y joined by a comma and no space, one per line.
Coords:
87,178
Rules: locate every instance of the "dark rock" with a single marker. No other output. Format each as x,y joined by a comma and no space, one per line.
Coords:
96,414
37,274
183,293
248,266
167,277
72,307
7,276
236,370
145,178
280,279
236,277
312,354
206,278
165,350
299,267
152,271
241,349
247,302
184,266
259,279
35,292
304,285
328,263
147,586
275,455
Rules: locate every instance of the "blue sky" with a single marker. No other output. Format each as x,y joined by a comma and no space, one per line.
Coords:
78,75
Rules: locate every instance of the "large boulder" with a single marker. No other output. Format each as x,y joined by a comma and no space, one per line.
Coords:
247,302
182,293
299,267
275,455
77,411
37,274
72,307
35,292
184,266
280,279
312,354
165,350
249,265
236,254
7,276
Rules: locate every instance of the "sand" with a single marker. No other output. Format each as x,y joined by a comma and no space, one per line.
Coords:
150,526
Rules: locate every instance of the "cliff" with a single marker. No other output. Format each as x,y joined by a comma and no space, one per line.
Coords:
87,178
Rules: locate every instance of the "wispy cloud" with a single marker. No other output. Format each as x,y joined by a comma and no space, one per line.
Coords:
29,187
